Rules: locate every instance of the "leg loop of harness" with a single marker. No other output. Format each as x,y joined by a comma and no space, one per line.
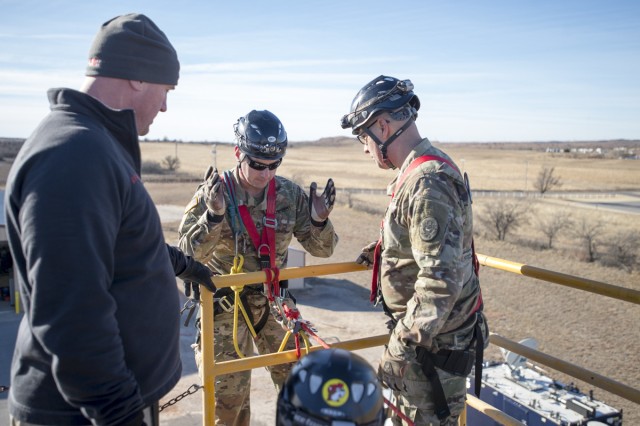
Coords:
429,370
457,362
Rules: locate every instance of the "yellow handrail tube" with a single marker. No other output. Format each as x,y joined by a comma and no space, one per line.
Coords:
491,411
583,374
287,273
257,361
604,289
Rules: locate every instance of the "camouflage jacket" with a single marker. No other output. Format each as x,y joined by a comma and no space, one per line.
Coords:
427,276
214,243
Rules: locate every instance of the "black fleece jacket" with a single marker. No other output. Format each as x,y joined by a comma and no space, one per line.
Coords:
100,334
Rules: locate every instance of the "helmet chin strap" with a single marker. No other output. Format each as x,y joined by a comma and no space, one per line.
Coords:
385,145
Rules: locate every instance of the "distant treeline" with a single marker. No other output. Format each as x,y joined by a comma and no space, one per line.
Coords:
9,146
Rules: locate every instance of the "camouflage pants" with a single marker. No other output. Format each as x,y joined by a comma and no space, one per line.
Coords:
232,391
416,402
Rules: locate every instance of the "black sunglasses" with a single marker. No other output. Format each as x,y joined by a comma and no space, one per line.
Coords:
261,166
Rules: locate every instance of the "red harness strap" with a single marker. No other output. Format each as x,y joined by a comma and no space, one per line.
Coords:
375,278
265,244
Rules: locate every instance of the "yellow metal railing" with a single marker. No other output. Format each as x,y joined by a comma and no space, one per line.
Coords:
585,375
604,289
211,369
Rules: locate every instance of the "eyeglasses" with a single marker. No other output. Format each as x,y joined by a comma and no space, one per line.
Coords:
261,166
362,137
364,132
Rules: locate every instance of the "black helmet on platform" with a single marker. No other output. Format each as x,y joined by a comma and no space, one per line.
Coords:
383,93
261,135
329,387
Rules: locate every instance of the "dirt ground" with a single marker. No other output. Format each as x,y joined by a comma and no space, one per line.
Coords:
594,332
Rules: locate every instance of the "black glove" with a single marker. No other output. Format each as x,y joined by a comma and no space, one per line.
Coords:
191,271
196,273
321,205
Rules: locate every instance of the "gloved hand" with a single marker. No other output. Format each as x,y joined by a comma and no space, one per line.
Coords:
366,257
214,192
191,287
393,365
321,205
196,273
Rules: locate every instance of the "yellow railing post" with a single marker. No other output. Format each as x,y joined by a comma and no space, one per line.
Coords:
208,360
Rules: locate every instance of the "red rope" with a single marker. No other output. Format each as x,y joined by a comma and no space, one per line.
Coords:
308,330
398,412
297,340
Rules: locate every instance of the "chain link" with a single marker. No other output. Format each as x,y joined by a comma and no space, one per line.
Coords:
192,389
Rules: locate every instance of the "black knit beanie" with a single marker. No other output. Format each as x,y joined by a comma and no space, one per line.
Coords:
132,47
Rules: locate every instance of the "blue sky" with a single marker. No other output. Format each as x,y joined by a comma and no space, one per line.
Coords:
484,70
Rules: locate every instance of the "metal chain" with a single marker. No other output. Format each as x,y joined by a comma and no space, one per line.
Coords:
192,389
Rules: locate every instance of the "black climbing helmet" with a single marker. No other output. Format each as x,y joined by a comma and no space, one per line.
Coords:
383,93
332,385
261,135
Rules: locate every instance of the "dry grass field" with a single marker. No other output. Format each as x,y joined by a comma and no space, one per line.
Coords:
597,333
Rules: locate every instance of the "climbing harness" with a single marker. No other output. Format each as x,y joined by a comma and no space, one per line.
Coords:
265,245
458,362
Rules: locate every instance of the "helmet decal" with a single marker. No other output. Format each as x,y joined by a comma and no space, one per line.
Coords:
335,392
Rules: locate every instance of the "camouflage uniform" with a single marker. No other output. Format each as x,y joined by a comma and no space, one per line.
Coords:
214,244
428,281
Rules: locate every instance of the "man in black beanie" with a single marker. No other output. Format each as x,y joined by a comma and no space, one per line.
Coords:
99,341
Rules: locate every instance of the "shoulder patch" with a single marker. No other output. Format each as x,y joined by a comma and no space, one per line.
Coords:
192,204
429,228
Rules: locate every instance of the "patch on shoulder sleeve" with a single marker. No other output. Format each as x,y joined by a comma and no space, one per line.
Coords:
429,228
192,204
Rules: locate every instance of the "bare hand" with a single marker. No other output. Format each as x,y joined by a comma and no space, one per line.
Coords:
214,192
321,205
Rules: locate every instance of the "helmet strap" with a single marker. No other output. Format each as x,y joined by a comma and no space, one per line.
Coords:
385,145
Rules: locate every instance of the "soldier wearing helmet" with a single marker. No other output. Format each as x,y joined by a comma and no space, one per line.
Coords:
330,387
220,224
425,272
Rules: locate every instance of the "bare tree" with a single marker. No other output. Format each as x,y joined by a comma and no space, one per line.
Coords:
546,180
623,250
171,163
552,224
588,232
503,217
